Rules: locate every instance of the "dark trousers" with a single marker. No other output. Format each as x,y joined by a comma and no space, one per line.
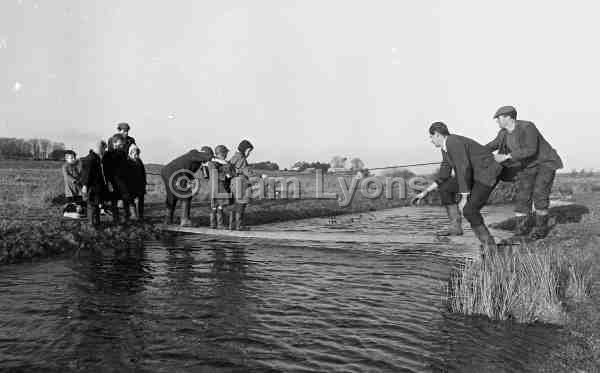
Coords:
477,199
140,206
534,186
93,207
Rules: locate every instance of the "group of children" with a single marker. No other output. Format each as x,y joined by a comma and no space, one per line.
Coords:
229,180
111,172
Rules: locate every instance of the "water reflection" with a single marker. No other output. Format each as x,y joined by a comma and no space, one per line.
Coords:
107,328
190,305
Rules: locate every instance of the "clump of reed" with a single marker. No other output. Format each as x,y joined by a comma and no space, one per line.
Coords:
530,284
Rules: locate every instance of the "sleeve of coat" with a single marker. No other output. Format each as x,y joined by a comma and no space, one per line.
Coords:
528,145
462,164
144,175
85,172
445,171
495,143
108,169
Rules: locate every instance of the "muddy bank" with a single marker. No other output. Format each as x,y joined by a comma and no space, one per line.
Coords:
558,215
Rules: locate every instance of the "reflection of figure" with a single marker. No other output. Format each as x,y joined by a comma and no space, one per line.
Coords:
108,295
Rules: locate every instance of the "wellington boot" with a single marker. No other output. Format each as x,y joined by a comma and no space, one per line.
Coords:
239,219
220,219
185,214
487,241
213,219
133,212
231,220
455,224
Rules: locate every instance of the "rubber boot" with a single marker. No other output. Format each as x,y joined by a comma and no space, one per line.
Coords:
126,212
93,212
455,225
541,228
239,219
115,210
133,211
231,220
213,219
140,208
220,221
185,214
487,240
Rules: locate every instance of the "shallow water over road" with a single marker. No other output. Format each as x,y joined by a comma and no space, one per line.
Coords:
192,304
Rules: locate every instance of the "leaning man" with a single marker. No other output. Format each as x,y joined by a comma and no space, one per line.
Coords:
522,143
476,175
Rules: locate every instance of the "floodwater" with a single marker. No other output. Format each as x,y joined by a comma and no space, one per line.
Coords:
189,304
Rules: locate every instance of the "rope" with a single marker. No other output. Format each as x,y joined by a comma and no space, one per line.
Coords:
370,169
405,165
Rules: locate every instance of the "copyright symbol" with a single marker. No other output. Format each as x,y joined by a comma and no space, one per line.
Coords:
183,184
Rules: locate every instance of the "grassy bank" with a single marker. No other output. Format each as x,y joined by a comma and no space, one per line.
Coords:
23,241
555,280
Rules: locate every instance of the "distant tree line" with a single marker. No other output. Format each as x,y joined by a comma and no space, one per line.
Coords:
42,149
266,165
303,165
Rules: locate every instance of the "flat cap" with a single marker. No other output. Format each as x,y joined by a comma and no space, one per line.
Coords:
505,110
123,126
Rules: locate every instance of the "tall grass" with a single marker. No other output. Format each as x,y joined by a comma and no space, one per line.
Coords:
527,285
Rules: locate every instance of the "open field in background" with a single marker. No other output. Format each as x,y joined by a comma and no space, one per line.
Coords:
37,183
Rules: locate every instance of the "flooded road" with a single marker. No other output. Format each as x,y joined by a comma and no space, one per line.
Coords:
192,304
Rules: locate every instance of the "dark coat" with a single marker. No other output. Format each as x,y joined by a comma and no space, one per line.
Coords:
470,161
116,171
136,177
190,161
529,149
92,176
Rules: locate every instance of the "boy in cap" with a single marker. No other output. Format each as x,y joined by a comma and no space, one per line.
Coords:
178,176
93,181
123,130
240,183
520,146
221,173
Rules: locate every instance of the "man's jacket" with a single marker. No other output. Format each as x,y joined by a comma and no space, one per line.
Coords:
527,146
190,161
470,161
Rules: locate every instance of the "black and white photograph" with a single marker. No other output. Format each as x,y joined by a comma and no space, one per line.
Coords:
299,186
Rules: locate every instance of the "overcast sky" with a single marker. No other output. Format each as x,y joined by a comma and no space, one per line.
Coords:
303,80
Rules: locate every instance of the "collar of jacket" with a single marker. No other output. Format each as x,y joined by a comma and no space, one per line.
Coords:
444,148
